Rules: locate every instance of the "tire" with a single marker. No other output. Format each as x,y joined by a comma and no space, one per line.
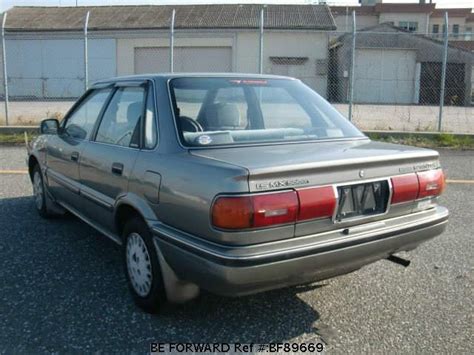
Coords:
39,193
142,267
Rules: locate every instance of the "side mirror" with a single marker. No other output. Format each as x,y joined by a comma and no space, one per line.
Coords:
49,126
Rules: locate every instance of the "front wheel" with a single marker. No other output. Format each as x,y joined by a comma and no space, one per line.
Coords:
142,267
39,193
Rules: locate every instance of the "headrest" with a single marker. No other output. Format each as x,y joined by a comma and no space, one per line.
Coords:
134,110
222,116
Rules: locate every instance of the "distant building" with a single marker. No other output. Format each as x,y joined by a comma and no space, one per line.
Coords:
45,44
394,66
422,17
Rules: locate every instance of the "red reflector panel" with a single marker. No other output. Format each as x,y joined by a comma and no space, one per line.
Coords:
432,183
317,202
232,212
277,208
405,188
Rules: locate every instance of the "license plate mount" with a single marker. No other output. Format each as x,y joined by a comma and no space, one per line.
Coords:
362,200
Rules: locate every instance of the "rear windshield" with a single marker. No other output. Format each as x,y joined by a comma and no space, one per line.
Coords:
231,111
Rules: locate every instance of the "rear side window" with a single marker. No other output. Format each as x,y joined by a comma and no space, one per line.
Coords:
80,123
150,136
120,124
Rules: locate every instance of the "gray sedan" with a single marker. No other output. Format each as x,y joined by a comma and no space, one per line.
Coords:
232,183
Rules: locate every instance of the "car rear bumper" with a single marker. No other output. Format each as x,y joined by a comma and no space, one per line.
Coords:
235,271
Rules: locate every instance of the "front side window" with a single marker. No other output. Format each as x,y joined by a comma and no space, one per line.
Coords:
120,124
223,111
80,123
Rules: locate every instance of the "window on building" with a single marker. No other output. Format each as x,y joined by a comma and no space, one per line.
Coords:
435,30
408,25
456,31
468,35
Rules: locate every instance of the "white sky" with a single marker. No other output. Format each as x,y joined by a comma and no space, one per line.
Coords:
5,4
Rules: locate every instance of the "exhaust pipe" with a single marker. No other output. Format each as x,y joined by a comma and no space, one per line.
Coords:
398,260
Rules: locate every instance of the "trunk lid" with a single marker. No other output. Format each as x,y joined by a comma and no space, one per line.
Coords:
280,166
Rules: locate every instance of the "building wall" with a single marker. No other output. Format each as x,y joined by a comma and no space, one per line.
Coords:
126,47
245,51
54,68
311,45
345,24
422,19
427,51
460,21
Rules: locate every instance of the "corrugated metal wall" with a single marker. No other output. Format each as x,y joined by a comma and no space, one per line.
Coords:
54,68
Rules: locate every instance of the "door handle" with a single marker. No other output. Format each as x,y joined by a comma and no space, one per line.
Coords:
75,156
117,168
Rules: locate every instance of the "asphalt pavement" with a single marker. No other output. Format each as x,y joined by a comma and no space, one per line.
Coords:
62,289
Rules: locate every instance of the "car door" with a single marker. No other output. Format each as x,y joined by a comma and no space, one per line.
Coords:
108,160
64,149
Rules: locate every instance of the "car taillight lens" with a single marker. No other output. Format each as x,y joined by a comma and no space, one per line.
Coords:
431,182
232,212
405,188
318,202
240,212
417,185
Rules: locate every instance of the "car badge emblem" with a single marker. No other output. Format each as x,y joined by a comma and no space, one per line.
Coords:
361,173
204,139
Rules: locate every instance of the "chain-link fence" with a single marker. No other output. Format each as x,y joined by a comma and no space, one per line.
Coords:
381,77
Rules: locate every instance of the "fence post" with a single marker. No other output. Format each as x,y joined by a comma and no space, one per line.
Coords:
443,71
5,74
351,79
173,14
260,54
86,53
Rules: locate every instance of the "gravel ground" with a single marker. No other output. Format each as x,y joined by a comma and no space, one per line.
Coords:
62,289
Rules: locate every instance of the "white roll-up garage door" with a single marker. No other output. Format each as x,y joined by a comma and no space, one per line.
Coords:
385,76
186,59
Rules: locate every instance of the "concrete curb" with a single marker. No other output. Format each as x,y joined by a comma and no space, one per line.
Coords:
18,129
416,133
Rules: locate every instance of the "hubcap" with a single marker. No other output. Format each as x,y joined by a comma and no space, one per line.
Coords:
138,264
38,190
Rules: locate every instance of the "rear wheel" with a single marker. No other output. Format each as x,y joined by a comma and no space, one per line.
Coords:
142,267
39,193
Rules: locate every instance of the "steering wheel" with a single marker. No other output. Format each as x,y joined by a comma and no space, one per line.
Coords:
190,125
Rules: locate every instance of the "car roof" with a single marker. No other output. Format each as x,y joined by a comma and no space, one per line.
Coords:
166,76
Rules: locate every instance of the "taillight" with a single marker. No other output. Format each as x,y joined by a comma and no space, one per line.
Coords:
405,188
431,182
414,186
232,212
318,202
241,212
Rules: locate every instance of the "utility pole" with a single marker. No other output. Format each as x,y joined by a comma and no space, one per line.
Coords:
443,71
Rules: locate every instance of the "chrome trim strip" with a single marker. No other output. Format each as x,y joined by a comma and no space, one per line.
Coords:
97,200
62,180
